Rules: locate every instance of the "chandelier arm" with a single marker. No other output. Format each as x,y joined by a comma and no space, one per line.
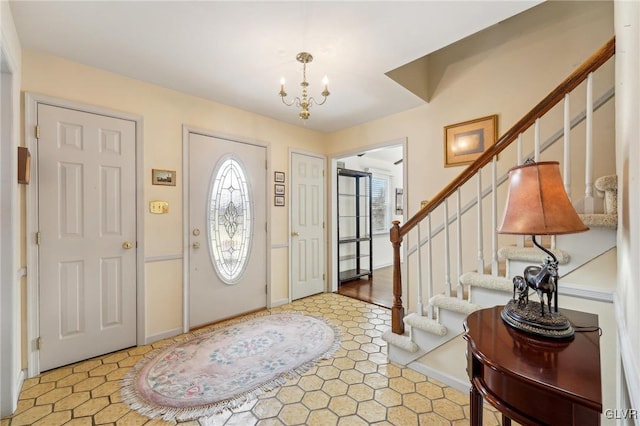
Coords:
287,103
312,100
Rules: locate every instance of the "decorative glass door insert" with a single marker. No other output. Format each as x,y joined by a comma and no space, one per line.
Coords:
229,220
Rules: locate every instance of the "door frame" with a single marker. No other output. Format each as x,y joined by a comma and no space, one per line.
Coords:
293,151
334,213
186,234
32,100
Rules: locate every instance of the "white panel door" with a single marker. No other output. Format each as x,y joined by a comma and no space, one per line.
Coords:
87,223
227,228
307,226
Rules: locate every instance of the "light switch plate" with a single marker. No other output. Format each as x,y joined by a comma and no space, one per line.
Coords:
159,207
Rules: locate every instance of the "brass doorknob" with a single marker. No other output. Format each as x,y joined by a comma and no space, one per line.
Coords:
295,234
196,245
127,245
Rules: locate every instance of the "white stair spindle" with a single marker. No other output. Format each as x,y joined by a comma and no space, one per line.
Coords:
494,218
429,268
459,244
588,178
447,256
536,140
519,150
566,174
419,308
480,230
519,238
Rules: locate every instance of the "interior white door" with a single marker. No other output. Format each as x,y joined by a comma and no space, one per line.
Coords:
87,225
228,228
307,226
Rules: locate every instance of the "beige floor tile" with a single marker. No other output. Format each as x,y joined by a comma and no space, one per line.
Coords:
356,386
372,411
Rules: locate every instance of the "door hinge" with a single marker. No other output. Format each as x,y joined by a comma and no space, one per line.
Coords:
39,343
38,238
323,277
266,165
37,132
322,225
266,289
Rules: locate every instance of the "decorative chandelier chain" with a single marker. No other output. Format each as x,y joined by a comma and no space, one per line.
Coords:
304,102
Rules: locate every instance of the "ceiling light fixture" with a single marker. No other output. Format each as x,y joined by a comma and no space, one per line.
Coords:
305,102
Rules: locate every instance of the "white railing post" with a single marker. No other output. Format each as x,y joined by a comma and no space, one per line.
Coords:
566,174
494,217
480,228
429,268
419,308
536,140
459,236
588,178
447,256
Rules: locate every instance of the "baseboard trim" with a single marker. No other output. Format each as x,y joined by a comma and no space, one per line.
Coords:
280,302
629,362
164,335
152,259
585,292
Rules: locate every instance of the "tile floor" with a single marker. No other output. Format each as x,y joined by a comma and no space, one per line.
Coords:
355,387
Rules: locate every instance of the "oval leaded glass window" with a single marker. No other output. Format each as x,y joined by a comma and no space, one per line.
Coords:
229,220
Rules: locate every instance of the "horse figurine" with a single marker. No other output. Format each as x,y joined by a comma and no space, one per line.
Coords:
543,280
522,288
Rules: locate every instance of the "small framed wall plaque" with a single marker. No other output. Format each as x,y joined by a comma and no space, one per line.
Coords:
278,201
163,177
278,177
278,189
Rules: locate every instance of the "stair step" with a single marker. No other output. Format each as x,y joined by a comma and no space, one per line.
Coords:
402,341
600,220
453,304
532,254
425,324
486,281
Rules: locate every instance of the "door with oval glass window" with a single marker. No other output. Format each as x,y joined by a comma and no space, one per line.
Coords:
227,228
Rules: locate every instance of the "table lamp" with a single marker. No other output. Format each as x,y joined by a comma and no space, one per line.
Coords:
537,204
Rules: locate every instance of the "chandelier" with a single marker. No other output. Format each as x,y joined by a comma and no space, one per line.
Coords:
305,101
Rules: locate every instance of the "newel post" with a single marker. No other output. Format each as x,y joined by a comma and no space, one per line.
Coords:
397,310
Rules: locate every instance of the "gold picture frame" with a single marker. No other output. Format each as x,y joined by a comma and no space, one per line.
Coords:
163,177
465,142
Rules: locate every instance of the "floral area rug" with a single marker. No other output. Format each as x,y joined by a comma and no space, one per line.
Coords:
227,366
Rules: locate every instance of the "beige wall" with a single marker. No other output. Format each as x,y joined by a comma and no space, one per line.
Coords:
627,25
164,112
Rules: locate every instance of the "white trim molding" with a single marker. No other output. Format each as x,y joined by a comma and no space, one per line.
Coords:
631,369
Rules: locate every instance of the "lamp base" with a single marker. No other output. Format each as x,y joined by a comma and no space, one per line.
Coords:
527,318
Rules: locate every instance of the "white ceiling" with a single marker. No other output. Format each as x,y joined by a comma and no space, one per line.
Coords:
236,52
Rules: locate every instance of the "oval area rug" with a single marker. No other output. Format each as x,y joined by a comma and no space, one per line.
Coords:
227,366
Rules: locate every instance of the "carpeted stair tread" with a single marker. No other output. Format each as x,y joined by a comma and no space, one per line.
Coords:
532,254
402,341
425,324
453,304
605,183
486,281
600,220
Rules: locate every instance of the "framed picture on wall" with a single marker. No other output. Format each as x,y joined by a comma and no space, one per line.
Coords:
278,189
278,176
278,200
465,142
163,177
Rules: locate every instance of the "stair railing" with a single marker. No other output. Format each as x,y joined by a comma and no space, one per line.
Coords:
532,118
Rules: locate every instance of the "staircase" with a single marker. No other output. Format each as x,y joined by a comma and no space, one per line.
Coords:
429,338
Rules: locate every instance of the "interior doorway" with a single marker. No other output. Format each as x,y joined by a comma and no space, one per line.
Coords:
385,163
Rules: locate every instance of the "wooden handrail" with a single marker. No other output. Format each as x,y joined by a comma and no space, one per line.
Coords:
397,232
601,56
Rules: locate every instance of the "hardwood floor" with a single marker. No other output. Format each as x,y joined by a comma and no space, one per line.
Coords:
378,290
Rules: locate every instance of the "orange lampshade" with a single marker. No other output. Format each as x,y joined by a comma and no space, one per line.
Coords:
537,203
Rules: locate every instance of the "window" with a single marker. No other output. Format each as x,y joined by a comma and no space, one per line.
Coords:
229,220
380,219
